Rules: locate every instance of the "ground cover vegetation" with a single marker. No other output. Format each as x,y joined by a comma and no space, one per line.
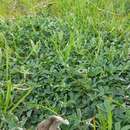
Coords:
65,57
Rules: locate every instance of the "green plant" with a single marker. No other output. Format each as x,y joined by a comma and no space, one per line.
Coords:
67,62
105,115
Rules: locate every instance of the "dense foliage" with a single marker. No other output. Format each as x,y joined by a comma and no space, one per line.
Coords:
77,66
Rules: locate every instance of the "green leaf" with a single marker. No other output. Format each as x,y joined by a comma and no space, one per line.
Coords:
117,126
127,127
